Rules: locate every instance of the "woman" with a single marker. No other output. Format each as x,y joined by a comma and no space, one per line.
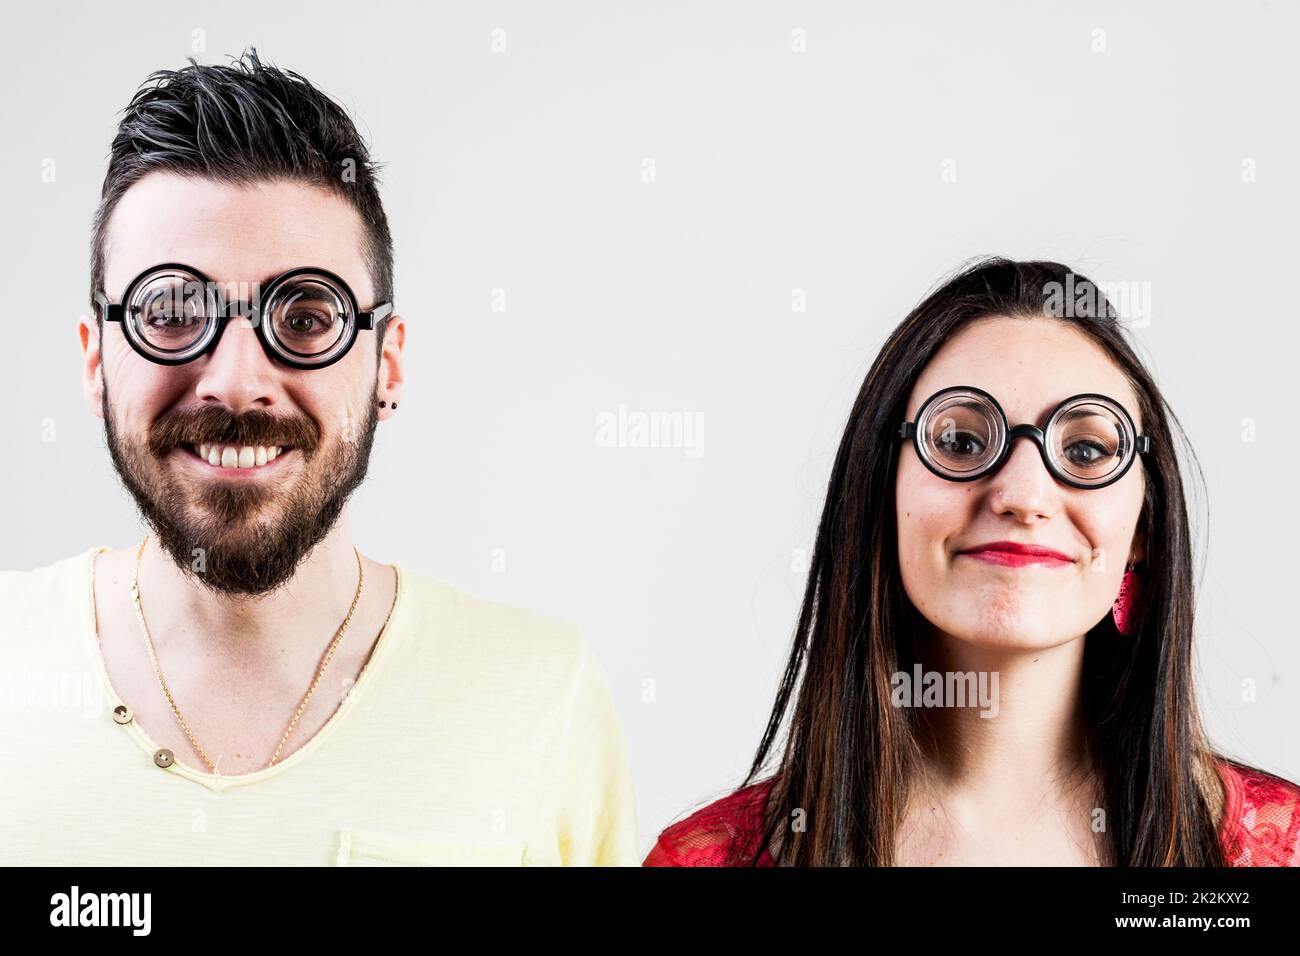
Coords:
1051,578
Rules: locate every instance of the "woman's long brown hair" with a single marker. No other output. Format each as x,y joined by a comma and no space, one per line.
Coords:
850,756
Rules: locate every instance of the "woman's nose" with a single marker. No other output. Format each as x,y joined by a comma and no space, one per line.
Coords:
1023,484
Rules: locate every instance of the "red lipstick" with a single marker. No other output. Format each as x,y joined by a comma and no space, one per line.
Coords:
1013,554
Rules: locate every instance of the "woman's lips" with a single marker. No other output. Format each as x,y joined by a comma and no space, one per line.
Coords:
1012,554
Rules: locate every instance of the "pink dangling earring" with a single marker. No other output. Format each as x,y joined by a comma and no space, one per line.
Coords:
1125,609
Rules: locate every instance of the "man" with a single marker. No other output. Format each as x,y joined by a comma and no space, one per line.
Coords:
243,686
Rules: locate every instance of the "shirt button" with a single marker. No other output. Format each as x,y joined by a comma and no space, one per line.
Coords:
164,757
122,714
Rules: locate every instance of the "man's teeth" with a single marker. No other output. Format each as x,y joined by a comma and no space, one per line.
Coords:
239,456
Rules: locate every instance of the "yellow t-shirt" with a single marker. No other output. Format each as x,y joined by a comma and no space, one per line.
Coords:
477,733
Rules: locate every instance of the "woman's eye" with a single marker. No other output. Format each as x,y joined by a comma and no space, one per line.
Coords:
960,444
1086,453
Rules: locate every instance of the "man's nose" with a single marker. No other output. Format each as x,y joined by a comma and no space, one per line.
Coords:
238,372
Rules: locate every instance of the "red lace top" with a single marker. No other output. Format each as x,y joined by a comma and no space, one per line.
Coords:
1261,823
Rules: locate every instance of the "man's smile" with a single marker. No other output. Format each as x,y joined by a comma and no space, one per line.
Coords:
236,460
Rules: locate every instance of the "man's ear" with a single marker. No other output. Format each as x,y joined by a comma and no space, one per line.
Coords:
92,367
388,387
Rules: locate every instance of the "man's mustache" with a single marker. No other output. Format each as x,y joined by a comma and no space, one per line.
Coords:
215,424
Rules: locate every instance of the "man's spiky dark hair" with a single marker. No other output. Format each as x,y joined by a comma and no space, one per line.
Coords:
240,124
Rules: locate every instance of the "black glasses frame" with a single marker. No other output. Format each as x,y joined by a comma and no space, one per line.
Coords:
223,311
1141,443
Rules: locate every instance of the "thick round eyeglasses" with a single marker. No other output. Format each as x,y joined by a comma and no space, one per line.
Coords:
961,434
305,318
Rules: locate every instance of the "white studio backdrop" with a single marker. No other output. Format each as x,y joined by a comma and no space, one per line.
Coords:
715,211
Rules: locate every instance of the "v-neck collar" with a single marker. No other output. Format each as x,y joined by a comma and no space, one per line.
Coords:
218,781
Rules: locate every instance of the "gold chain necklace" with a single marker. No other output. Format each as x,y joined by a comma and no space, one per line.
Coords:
139,613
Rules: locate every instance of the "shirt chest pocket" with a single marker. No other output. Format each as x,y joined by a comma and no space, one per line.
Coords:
366,847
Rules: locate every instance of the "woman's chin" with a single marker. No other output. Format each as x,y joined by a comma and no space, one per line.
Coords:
1015,632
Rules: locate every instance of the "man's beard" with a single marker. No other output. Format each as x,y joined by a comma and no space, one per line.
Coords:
240,555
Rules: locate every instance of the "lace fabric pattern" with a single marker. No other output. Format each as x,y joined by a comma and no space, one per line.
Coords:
1261,823
1262,818
705,837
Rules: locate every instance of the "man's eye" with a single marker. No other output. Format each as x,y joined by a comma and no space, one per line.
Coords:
306,323
164,319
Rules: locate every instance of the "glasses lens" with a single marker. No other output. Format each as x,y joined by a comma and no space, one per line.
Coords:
961,433
1091,439
169,312
307,318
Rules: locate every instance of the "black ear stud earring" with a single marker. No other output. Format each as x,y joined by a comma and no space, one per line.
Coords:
385,405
